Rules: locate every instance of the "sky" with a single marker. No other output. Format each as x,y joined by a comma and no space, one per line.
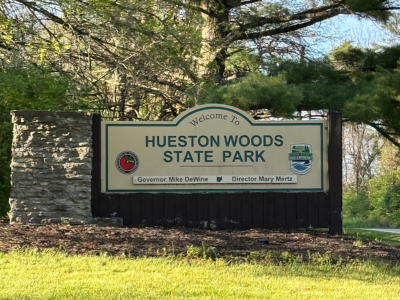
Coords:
362,33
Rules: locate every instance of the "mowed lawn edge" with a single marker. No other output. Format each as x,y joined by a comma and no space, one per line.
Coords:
375,236
56,275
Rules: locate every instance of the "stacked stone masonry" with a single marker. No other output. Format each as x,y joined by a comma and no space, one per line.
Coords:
51,167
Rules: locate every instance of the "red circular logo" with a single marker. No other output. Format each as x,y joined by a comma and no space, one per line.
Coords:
127,162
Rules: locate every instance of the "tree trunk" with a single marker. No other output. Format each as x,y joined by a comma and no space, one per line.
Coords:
213,33
208,34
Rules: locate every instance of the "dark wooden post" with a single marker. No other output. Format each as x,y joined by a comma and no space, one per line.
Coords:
335,172
96,164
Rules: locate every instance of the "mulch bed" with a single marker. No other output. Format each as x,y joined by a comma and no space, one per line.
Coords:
150,241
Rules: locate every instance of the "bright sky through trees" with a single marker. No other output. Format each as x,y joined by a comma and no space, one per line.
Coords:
362,33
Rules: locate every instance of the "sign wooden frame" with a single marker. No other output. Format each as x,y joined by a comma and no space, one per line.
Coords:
222,209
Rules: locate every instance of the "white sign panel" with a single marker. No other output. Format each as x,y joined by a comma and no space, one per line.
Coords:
214,148
212,179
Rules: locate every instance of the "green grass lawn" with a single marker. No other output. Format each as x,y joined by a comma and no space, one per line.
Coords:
352,227
55,275
349,222
376,236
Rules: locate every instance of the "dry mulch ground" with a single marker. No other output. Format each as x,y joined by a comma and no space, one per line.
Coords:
150,241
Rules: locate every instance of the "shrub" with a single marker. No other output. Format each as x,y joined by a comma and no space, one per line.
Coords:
23,86
391,203
382,194
356,205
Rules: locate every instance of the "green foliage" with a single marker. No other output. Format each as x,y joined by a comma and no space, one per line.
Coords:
358,242
353,222
289,258
260,256
243,61
64,222
391,203
350,58
380,194
28,87
24,86
204,252
371,8
376,206
288,87
375,76
360,83
356,205
156,54
255,91
364,5
325,259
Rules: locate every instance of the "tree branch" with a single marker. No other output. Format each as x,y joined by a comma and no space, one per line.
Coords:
163,82
194,7
321,8
385,134
158,92
237,3
63,23
309,14
254,35
234,52
383,9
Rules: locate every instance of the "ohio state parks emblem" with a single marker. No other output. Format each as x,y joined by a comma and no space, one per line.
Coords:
127,162
300,157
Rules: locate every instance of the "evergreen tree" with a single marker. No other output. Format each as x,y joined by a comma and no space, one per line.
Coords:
360,83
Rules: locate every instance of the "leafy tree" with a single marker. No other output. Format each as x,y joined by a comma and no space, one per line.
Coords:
392,205
381,193
145,59
23,86
371,197
356,205
362,155
256,91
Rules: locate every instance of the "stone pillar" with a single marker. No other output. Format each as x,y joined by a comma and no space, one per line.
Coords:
51,167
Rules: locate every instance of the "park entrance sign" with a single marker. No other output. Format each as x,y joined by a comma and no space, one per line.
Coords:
212,167
214,148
